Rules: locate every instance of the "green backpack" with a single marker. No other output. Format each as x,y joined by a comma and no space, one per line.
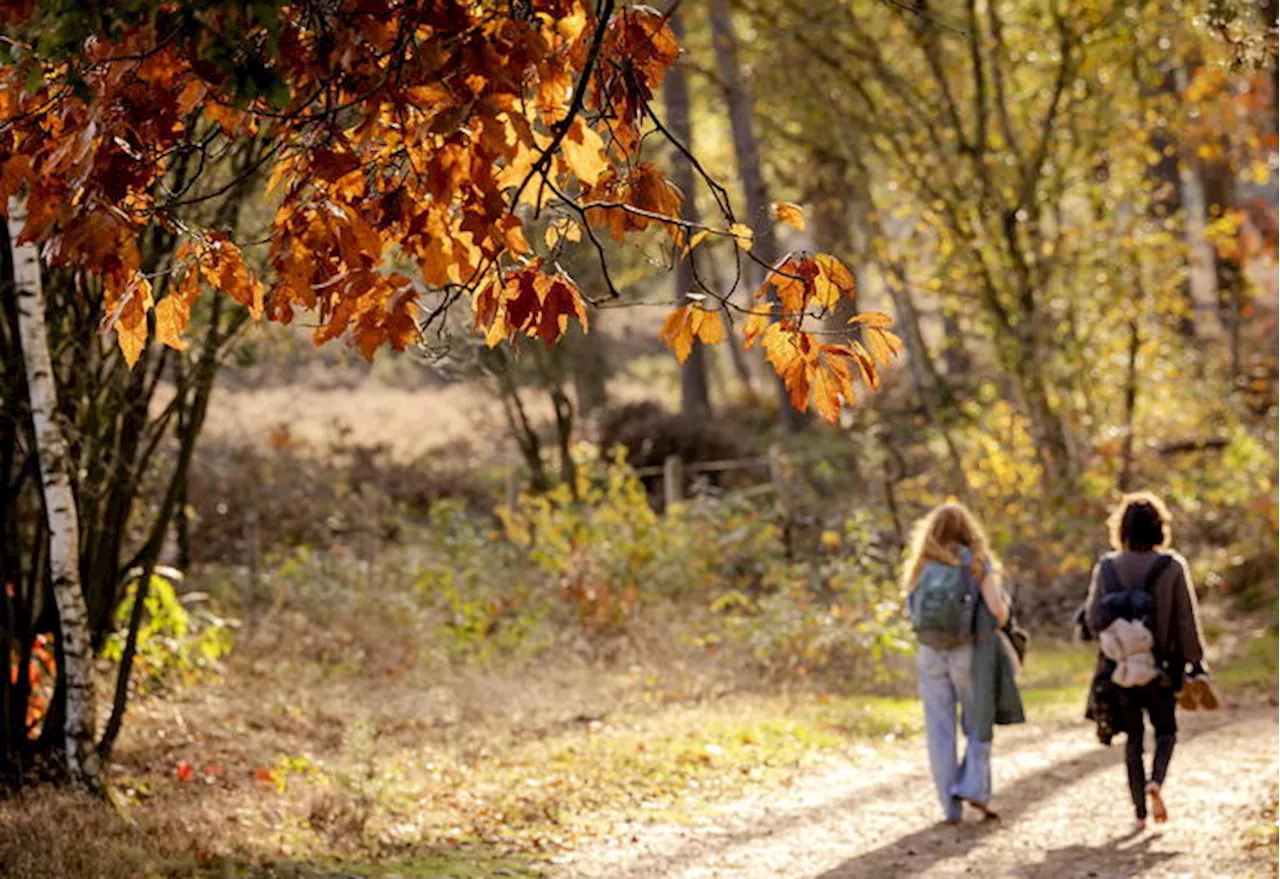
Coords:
943,604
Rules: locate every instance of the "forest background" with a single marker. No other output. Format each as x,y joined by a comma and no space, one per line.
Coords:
397,605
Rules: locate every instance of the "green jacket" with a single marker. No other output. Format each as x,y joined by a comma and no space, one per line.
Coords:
995,691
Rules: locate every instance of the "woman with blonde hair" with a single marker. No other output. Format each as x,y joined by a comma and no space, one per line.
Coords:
957,608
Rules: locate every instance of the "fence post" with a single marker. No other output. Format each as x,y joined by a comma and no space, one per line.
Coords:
780,477
672,481
511,491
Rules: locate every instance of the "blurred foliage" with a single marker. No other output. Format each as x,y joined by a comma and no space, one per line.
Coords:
179,638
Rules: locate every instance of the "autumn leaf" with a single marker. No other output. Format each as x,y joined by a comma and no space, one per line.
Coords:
183,771
265,775
697,239
757,322
872,319
584,153
710,330
791,214
833,282
678,331
689,322
561,302
743,235
172,316
832,382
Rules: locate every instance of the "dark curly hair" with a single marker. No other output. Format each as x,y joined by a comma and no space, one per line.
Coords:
1140,523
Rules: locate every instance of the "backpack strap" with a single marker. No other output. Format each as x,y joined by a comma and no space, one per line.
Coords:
1153,573
1110,577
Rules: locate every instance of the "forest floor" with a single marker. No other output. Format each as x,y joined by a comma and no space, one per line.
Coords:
1062,798
293,768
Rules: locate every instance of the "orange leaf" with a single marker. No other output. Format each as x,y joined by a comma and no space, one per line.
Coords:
832,382
183,771
833,281
677,331
872,319
791,214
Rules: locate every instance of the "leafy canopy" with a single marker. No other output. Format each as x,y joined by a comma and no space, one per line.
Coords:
414,148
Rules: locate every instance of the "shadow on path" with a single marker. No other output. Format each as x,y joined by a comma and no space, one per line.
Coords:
916,852
1113,859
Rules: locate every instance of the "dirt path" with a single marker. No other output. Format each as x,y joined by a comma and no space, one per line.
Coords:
1063,799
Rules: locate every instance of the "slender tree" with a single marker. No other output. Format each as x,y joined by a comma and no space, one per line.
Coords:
54,460
695,398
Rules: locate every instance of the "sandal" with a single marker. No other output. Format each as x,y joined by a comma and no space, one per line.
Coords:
1158,810
987,813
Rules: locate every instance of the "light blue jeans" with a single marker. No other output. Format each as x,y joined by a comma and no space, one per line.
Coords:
946,681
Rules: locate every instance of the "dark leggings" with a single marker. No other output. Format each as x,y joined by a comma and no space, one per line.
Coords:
1157,700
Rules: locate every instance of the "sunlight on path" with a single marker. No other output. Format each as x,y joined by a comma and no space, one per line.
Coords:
1063,798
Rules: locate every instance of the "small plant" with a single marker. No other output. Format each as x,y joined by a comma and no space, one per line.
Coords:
178,635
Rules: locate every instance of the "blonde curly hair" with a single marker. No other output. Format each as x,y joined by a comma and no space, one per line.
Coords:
939,536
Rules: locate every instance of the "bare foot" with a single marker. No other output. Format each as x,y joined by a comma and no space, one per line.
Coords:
1158,810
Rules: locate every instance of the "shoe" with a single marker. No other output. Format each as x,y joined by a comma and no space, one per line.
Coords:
1199,694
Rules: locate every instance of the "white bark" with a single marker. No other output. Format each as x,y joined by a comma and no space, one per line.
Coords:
83,764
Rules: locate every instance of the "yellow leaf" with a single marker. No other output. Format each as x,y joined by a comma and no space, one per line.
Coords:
132,339
710,328
757,323
742,235
882,344
695,241
791,214
584,153
172,316
872,319
841,278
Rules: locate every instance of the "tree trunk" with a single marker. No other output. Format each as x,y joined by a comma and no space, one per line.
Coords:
737,354
695,400
76,669
747,150
1166,204
1130,406
1228,271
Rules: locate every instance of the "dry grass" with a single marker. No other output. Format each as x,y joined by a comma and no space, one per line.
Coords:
46,834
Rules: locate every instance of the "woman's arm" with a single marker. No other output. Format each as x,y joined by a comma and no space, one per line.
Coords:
993,597
1093,604
1186,615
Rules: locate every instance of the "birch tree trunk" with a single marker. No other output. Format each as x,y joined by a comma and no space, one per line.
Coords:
83,765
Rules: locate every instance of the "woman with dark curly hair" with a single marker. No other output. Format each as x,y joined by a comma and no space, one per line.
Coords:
1143,608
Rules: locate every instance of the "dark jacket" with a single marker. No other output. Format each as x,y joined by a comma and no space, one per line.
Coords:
996,699
1176,619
